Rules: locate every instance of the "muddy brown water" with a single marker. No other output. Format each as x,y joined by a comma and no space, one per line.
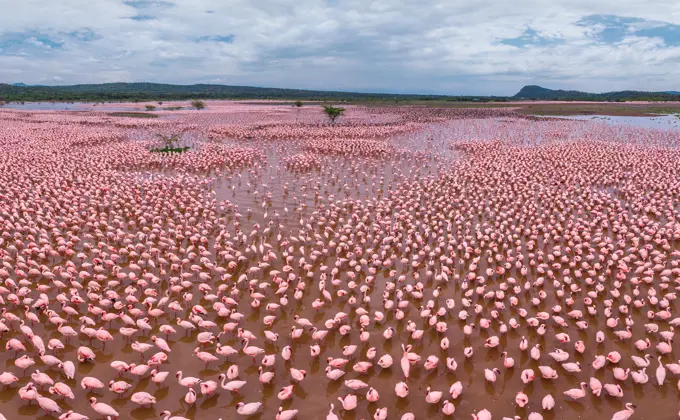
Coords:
359,179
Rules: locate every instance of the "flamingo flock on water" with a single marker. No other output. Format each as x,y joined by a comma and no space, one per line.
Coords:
405,263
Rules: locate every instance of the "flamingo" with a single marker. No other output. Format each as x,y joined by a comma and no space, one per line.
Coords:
50,406
103,409
232,386
143,398
286,415
167,415
577,393
625,414
248,409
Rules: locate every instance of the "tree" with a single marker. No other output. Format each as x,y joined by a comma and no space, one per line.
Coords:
298,104
333,113
160,103
170,141
198,104
150,107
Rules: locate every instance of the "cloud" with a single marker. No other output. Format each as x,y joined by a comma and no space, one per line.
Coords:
441,46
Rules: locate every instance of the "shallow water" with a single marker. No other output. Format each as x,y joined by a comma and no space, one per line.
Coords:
295,203
64,106
664,122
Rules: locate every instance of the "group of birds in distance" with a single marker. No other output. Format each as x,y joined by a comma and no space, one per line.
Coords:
401,263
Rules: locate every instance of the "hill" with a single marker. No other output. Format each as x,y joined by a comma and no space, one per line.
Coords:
541,93
139,92
158,91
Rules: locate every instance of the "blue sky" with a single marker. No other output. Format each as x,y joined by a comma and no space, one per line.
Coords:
449,47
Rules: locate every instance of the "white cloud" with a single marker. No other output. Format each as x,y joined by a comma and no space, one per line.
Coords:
387,45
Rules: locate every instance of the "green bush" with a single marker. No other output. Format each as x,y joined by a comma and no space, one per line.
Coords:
170,150
198,104
332,112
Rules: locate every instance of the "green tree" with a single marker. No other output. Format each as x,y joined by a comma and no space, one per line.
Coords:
333,113
150,107
198,104
298,104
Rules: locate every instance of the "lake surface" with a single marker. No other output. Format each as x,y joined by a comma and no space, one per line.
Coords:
657,122
373,221
64,106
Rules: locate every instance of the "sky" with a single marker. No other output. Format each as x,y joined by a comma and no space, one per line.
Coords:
457,47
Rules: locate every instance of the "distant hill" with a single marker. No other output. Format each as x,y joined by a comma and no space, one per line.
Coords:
541,93
158,91
106,92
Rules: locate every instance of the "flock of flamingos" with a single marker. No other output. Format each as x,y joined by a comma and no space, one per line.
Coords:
404,263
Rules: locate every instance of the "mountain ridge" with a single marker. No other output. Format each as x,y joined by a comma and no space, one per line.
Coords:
541,93
146,91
